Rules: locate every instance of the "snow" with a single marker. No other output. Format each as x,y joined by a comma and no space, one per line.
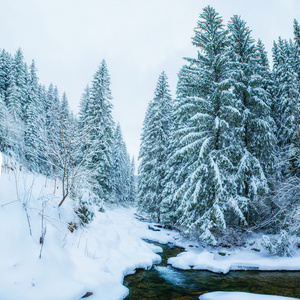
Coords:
0,162
238,259
91,259
97,257
239,296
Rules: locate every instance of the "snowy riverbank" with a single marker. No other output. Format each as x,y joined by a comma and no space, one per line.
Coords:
91,259
236,259
239,296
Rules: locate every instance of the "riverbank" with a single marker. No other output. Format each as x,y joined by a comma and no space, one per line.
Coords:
223,260
239,296
43,258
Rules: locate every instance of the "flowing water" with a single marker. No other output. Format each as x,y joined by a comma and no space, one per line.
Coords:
163,282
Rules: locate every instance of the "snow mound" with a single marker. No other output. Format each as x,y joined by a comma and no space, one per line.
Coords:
238,260
239,296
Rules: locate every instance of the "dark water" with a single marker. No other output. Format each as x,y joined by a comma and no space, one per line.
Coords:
164,282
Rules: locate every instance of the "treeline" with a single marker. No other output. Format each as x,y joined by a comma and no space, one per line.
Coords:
222,159
86,153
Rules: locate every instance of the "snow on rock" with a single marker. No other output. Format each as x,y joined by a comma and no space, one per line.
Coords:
241,259
91,259
239,296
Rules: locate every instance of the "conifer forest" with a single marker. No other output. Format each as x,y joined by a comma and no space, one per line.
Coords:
219,161
215,187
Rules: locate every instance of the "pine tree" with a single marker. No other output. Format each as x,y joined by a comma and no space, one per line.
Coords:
19,71
203,140
286,69
287,108
132,183
99,127
154,149
255,128
64,108
297,33
40,114
5,74
121,176
33,114
83,106
6,135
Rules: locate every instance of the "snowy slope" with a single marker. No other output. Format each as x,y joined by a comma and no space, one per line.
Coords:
92,259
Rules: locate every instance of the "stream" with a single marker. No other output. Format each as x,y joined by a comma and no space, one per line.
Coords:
163,282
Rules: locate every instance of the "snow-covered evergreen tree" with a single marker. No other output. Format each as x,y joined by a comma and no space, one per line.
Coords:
7,132
83,106
255,147
203,139
99,129
297,48
19,87
121,171
154,149
64,108
286,58
33,115
132,183
288,109
5,74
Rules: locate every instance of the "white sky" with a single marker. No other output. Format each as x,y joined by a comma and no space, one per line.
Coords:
138,39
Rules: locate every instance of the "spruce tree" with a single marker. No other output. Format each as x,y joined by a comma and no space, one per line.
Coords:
64,108
132,183
287,106
83,106
297,33
5,74
154,149
121,176
99,127
255,140
33,114
203,140
286,69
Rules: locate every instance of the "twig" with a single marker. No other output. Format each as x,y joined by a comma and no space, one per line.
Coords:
9,203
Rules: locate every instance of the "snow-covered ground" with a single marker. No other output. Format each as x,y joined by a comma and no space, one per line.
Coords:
238,259
240,296
91,259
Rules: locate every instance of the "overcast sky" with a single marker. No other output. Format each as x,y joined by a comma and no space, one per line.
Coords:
138,39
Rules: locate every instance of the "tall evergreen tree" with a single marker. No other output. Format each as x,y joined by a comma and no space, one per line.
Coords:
121,176
132,183
64,108
83,106
6,77
203,137
297,33
154,149
19,71
287,106
33,114
7,131
99,124
255,128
